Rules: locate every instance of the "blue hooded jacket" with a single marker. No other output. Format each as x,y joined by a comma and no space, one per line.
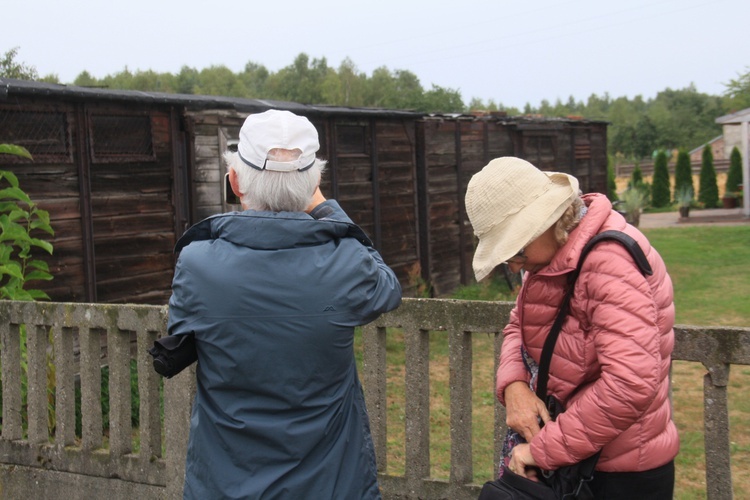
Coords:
273,299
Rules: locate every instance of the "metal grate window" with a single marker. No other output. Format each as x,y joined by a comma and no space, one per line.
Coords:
121,138
45,134
352,140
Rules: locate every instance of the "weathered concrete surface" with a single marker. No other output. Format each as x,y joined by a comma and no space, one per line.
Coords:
32,465
18,481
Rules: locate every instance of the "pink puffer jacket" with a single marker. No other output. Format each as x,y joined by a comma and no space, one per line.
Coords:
615,346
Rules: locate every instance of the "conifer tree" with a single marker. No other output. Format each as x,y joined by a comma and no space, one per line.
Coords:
734,176
660,191
636,178
611,184
708,191
683,174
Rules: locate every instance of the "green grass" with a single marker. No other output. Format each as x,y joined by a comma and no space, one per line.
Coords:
710,270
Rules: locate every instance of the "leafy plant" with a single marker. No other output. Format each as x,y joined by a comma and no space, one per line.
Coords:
633,201
636,183
684,196
19,219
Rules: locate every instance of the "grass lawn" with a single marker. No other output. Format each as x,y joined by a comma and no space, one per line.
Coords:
710,270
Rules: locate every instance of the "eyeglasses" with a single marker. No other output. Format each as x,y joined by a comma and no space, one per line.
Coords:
519,258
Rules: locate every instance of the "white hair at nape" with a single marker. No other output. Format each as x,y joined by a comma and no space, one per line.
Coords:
268,190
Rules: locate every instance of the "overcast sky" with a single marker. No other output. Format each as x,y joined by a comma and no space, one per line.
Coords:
512,52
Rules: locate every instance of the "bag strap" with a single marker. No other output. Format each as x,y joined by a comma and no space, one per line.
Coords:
549,344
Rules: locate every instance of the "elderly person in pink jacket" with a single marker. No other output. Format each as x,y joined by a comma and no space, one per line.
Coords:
610,367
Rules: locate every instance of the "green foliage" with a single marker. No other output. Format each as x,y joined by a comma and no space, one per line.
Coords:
734,176
708,190
307,81
673,119
683,174
10,67
738,91
10,149
636,183
634,201
660,191
20,220
636,177
492,288
611,184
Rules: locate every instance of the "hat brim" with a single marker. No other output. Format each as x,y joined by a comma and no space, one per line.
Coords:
507,238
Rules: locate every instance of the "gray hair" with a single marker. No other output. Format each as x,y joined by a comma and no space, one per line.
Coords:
273,191
569,220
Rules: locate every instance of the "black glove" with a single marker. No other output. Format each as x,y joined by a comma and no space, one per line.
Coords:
173,353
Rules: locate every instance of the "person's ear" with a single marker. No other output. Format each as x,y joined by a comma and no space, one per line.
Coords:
234,183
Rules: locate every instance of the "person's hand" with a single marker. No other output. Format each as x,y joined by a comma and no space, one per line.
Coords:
522,462
522,409
317,199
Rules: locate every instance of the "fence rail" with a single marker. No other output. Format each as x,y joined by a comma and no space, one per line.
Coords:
647,168
46,456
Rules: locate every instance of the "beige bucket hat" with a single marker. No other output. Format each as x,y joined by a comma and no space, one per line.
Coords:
510,203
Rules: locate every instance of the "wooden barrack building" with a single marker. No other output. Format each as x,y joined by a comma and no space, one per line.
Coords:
124,173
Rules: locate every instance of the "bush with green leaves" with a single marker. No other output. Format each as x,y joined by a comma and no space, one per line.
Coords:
734,176
683,175
20,220
708,191
660,191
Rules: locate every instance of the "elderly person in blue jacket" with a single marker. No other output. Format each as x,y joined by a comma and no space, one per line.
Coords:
273,294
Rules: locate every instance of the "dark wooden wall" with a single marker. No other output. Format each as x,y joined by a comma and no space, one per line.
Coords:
454,149
105,174
122,180
370,172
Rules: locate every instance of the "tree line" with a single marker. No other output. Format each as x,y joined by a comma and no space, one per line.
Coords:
674,119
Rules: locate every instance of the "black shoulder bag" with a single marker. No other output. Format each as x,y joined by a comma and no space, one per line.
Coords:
571,481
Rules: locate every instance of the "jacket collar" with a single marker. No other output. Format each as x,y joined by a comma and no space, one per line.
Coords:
270,230
599,212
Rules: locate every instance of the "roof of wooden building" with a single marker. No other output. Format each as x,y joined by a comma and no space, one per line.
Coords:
11,87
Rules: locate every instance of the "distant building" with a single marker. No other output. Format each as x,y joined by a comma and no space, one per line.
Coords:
737,133
718,148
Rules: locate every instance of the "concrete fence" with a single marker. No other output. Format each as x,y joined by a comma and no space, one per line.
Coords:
42,455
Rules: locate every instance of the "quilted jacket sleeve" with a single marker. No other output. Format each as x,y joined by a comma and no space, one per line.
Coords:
511,368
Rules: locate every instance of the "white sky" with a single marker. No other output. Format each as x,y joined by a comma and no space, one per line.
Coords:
510,51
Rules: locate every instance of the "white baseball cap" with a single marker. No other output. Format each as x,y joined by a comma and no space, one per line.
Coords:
275,129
